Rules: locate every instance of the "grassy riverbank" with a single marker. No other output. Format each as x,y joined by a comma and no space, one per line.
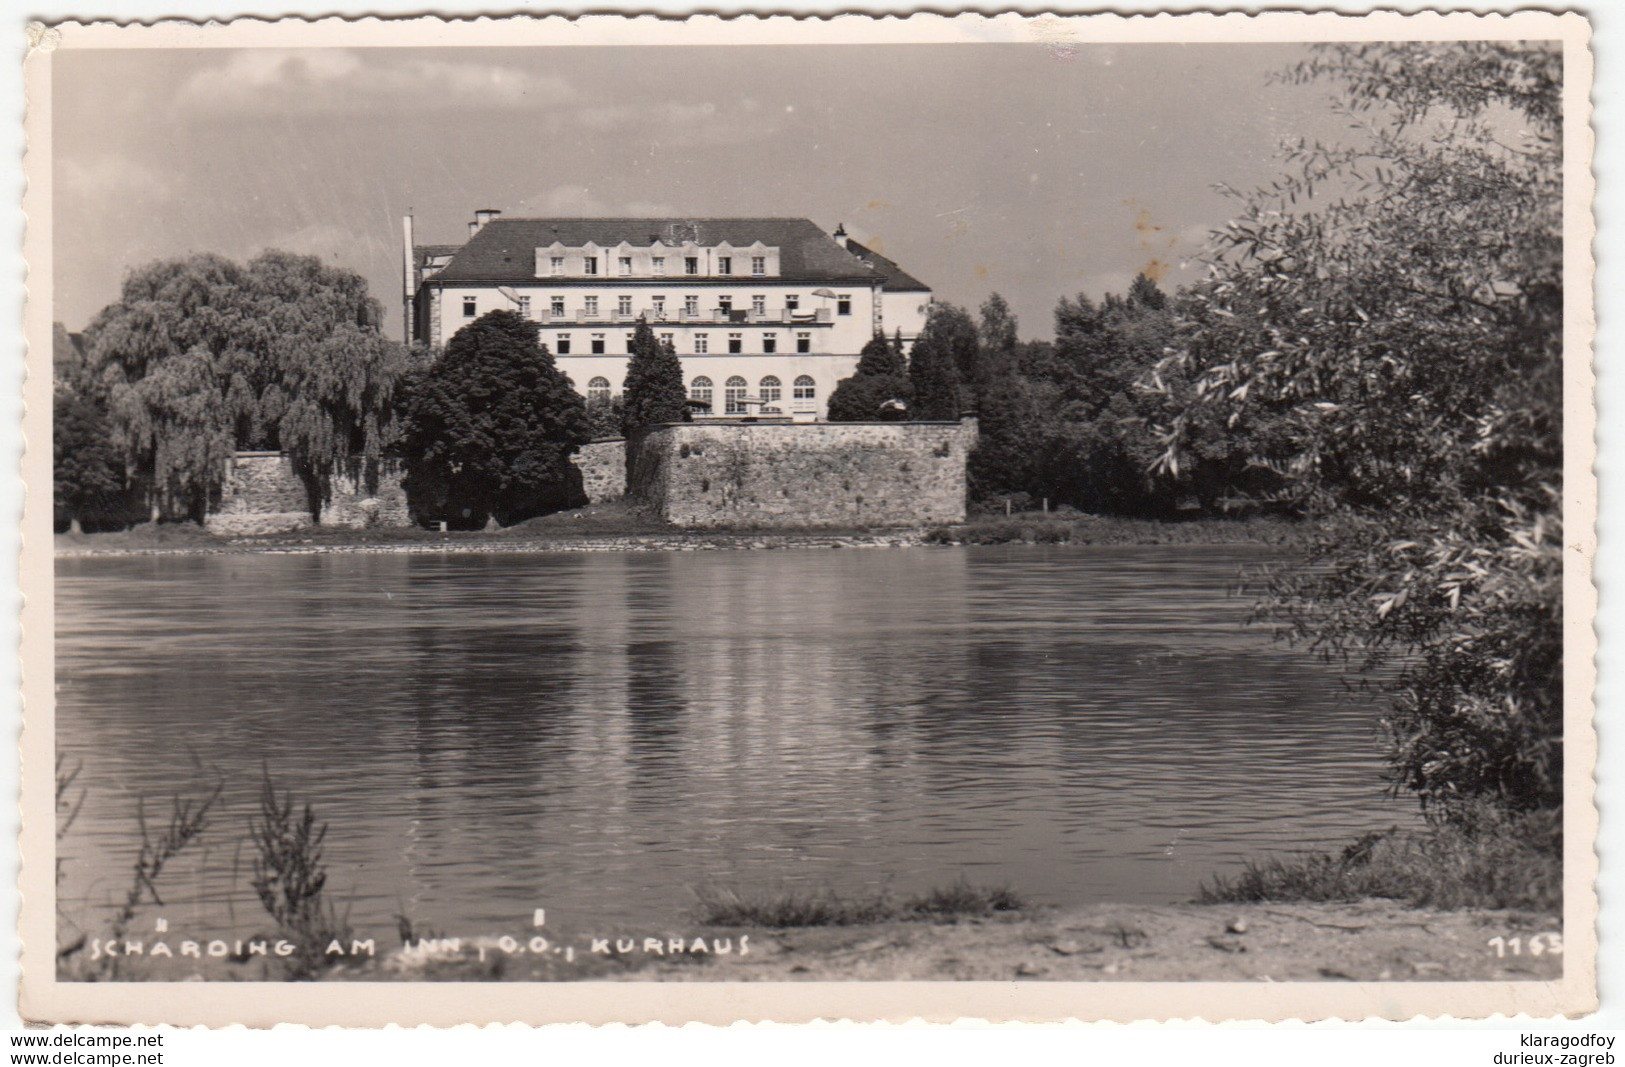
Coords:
618,526
1492,860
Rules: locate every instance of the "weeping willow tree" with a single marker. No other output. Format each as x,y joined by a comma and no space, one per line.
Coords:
1398,299
202,356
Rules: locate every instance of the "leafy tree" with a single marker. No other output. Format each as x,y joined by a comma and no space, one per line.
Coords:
200,357
606,416
88,471
654,391
490,428
932,367
329,398
997,333
1398,301
881,377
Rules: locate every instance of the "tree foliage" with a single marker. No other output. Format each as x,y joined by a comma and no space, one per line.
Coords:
1395,301
878,389
655,391
491,426
934,363
200,357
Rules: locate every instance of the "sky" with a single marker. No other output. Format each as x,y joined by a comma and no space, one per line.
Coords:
1027,169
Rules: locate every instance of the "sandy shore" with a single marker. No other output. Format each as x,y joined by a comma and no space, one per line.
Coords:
1364,942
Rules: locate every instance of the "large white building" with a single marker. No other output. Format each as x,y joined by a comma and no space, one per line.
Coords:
766,314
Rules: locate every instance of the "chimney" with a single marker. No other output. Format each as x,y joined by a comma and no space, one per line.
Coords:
840,234
481,217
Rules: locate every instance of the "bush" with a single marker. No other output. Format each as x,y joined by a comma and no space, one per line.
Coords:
826,908
1485,858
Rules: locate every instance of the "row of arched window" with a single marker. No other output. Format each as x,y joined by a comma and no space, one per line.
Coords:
734,390
771,390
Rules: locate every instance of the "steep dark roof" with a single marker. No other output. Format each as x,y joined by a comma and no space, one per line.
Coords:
503,252
897,280
421,254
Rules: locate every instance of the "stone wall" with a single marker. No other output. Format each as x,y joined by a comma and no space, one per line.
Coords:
826,474
603,469
261,494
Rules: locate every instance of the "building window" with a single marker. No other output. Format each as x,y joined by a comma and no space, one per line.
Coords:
772,389
629,339
659,264
598,389
725,265
736,343
803,342
805,388
556,305
691,264
843,304
623,305
691,305
770,343
758,265
597,344
589,265
592,307
702,344
792,302
524,306
561,344
556,264
669,340
469,307
758,304
734,395
657,306
700,389
626,266
725,304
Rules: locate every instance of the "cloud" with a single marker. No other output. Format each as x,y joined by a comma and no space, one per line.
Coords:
323,240
695,122
335,79
102,176
570,201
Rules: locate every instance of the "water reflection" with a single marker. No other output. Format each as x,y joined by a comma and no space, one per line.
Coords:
601,733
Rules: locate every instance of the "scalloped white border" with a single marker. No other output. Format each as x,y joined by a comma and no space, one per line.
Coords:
445,1004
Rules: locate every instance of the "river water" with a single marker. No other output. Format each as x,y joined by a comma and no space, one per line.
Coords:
601,734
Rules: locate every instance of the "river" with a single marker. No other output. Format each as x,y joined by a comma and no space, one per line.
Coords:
601,734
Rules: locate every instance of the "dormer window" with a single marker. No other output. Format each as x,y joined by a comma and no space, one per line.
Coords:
589,265
691,264
626,266
556,265
758,265
659,266
725,265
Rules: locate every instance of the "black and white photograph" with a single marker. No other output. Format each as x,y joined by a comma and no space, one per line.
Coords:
846,512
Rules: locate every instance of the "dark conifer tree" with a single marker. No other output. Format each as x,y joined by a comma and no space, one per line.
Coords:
655,392
932,369
880,379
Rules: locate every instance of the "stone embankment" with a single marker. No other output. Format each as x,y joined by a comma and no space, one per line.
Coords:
464,544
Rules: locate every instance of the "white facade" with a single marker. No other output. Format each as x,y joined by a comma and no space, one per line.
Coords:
760,329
